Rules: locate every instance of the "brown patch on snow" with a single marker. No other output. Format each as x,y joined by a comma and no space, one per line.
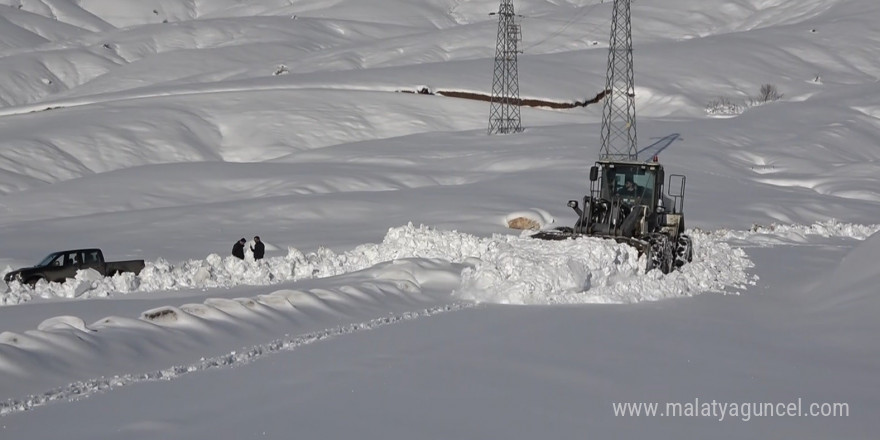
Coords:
527,102
523,223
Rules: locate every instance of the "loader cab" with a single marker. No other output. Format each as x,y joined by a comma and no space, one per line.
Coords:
633,183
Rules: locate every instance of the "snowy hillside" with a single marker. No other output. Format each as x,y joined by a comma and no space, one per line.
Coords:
394,300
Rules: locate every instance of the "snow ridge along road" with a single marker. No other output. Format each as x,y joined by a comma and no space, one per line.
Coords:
503,269
64,350
85,389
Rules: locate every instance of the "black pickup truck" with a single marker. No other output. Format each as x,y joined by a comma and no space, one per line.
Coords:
59,266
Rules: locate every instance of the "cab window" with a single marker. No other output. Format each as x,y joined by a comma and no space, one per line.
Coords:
72,258
645,181
615,178
92,257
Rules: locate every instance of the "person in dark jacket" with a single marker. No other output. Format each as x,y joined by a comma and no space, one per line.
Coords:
238,249
259,249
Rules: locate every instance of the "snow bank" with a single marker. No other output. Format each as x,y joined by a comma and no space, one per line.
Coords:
592,270
778,234
65,350
501,269
87,388
852,285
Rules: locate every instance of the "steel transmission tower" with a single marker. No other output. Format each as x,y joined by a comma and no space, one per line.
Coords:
504,115
619,115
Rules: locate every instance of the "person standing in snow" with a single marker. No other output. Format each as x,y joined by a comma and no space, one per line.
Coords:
259,249
238,249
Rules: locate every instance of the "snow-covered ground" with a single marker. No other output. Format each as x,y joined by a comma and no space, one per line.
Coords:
394,302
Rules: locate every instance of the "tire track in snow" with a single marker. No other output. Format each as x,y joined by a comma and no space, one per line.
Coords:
84,389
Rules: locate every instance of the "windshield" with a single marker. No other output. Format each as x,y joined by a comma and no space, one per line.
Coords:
632,183
46,261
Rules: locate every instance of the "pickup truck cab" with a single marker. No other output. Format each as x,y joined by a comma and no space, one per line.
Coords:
59,266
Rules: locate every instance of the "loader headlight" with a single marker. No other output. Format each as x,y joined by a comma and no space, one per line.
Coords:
572,203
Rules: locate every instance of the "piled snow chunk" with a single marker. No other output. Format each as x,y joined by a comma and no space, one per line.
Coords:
500,269
529,271
590,270
776,234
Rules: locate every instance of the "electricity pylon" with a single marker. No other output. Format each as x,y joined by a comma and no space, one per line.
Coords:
504,115
619,112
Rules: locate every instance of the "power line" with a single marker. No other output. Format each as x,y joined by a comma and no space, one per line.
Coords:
581,13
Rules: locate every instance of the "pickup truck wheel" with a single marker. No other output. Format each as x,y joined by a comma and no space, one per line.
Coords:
32,282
